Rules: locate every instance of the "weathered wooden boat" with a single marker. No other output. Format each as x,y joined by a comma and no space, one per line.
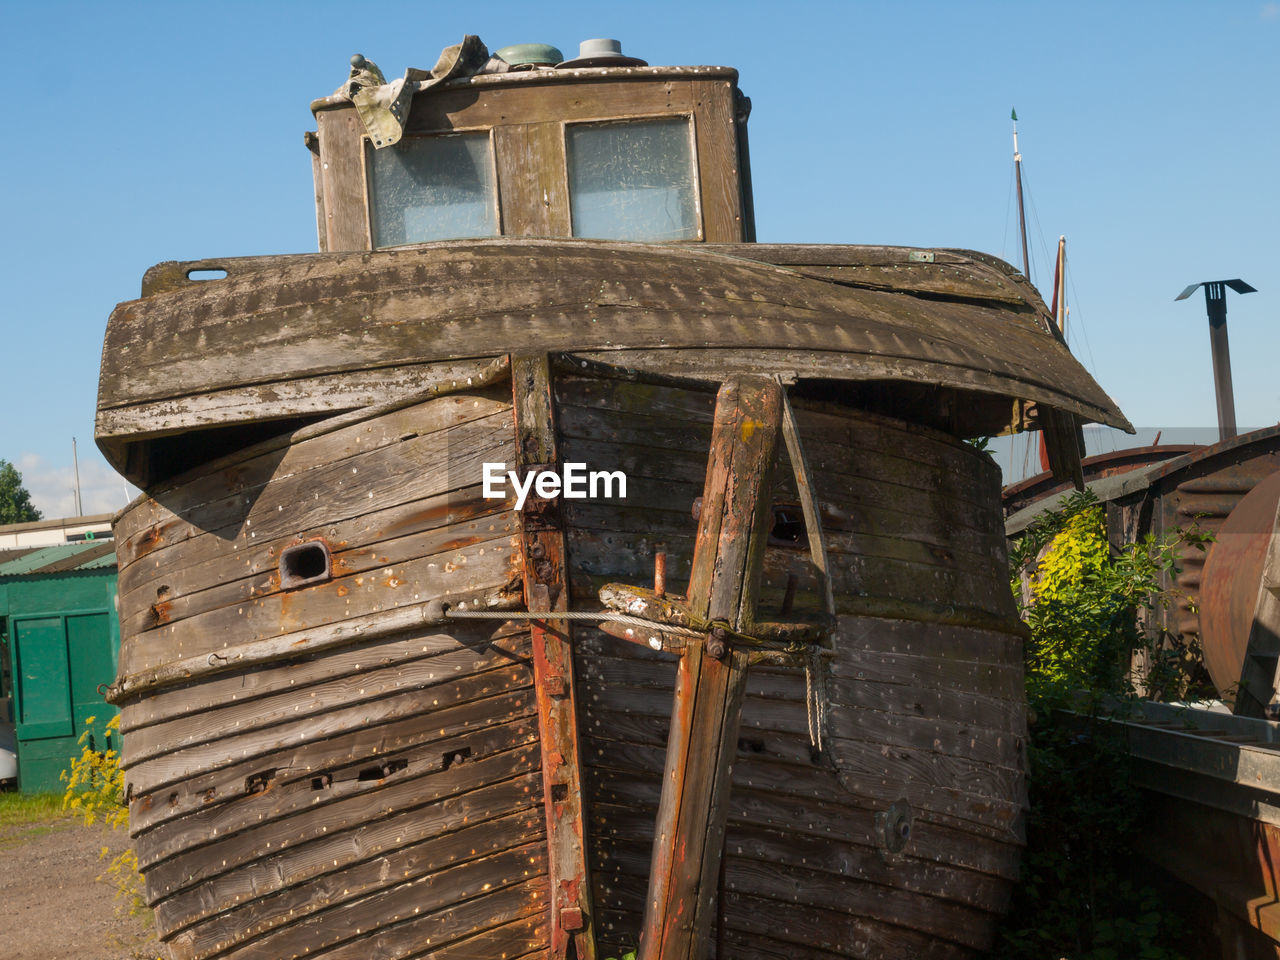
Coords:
766,703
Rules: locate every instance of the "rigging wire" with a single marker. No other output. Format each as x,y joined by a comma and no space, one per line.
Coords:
1009,194
1035,220
1081,331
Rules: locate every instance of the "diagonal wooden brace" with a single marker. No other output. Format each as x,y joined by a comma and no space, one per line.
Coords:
728,554
546,591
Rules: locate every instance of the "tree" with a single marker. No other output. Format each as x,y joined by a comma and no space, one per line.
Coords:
15,501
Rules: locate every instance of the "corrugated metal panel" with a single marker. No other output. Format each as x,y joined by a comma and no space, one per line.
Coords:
15,553
1018,495
1105,488
62,558
104,562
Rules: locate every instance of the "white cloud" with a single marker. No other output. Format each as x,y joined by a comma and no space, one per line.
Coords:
1270,11
52,486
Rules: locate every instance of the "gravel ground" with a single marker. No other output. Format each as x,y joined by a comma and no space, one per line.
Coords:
53,907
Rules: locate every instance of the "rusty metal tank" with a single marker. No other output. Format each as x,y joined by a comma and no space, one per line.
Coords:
1229,587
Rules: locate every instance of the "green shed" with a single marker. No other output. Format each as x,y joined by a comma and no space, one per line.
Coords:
61,642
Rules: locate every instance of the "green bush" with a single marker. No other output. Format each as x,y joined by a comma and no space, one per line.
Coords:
1079,897
95,792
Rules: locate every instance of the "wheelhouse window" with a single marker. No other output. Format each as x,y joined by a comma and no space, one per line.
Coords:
433,188
633,180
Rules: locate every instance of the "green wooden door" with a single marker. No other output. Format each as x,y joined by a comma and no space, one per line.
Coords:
59,662
42,679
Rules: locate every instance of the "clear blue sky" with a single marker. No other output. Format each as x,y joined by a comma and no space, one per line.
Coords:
141,132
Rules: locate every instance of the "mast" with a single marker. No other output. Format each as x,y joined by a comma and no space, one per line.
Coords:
1022,213
1059,309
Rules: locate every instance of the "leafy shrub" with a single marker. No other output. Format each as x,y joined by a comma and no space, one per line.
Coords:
95,791
1079,898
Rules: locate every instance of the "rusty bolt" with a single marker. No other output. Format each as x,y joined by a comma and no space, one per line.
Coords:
718,645
555,686
571,918
537,551
660,570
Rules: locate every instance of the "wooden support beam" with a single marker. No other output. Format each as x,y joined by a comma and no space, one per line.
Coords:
546,591
728,553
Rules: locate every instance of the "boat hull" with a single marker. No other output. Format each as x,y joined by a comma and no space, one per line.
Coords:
336,769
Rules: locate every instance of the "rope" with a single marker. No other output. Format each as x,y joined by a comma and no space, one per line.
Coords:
815,693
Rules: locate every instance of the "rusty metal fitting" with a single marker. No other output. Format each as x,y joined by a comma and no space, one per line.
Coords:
718,643
660,570
555,686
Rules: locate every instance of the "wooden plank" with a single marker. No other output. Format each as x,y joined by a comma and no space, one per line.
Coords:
265,902
281,855
531,179
301,396
956,273
312,140
342,148
942,747
779,886
811,812
809,927
304,672
984,817
863,863
661,461
544,566
437,302
478,571
250,500
732,526
352,564
523,939
216,486
157,801
195,565
374,878
633,97
757,946
482,787
718,161
689,408
463,930
352,922
366,684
